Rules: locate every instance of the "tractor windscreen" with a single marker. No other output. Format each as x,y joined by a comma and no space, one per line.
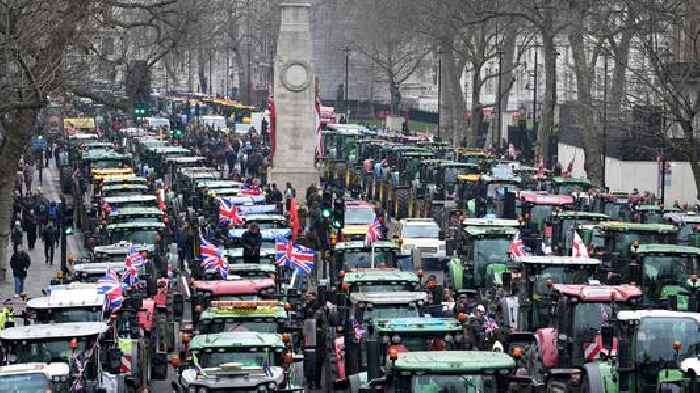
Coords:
655,343
588,318
25,383
472,383
662,270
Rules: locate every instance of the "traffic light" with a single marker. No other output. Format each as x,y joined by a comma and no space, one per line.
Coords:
139,110
338,214
175,133
326,213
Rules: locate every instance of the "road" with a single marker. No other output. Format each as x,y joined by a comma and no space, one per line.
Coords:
40,273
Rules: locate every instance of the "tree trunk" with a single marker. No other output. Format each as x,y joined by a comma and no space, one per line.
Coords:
619,79
457,101
506,74
477,120
444,105
395,90
550,97
201,74
15,141
584,112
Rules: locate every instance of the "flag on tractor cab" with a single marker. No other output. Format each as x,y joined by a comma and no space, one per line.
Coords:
212,258
578,248
374,232
133,261
111,286
294,256
294,223
517,248
228,212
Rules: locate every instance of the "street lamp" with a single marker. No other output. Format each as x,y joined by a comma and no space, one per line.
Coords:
347,84
605,117
439,82
499,114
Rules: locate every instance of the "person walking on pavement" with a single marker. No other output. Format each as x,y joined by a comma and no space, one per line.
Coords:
20,262
30,227
17,235
28,178
252,240
49,236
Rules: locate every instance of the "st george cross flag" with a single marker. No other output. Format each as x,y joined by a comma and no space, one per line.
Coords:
578,248
111,286
213,259
517,248
374,232
228,212
132,262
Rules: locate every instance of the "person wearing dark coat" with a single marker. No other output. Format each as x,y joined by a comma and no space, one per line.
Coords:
252,240
30,227
20,262
49,236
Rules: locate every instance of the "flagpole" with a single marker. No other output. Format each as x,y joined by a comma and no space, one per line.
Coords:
372,256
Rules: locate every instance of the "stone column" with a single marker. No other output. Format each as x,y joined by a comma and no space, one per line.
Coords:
294,97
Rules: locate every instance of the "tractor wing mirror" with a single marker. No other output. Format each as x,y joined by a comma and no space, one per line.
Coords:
607,334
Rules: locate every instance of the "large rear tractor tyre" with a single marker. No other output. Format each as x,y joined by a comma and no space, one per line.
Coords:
402,197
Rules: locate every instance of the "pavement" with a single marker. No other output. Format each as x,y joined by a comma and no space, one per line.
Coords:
40,274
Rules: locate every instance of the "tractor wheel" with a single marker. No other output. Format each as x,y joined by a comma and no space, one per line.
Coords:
592,380
402,196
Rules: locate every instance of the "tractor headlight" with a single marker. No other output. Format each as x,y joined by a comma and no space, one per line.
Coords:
192,389
271,386
262,388
385,339
202,389
395,339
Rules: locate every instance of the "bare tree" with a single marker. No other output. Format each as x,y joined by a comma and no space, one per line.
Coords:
389,41
668,75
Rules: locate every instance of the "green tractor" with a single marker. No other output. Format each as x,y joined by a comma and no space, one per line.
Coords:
449,371
668,275
651,347
483,254
618,239
652,214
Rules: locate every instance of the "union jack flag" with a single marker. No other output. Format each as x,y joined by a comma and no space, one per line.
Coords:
212,258
111,286
294,256
373,232
228,212
283,249
132,262
517,248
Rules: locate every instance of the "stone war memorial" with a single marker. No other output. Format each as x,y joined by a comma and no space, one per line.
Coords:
294,102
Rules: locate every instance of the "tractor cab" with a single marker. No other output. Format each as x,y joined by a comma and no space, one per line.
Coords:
357,218
123,189
563,225
472,156
118,202
688,225
619,237
483,259
69,305
537,207
533,278
379,280
58,343
573,338
570,185
668,275
403,335
267,220
140,232
353,317
269,237
139,214
91,272
35,377
261,316
349,256
239,361
652,214
618,205
103,159
652,343
448,371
